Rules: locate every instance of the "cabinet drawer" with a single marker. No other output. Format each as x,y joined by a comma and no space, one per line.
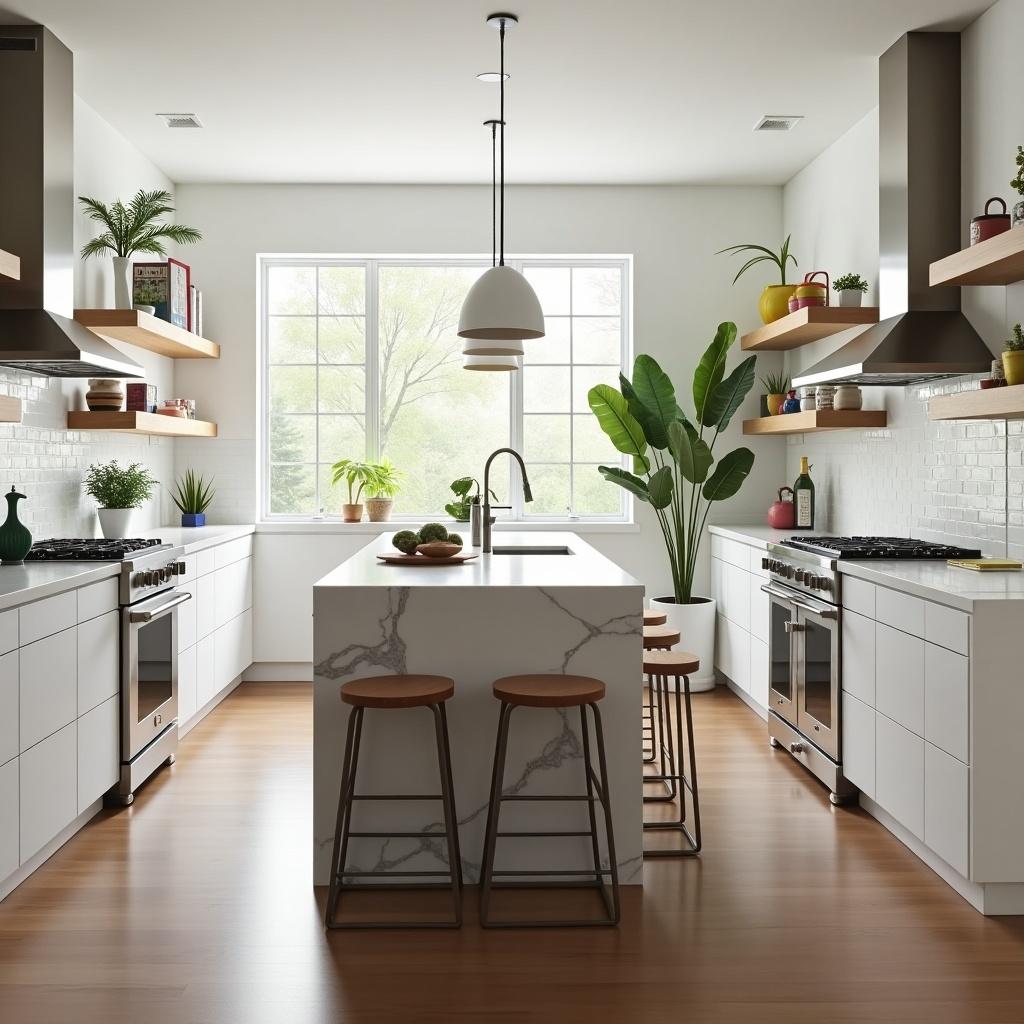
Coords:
717,572
758,608
859,744
233,591
96,599
899,773
759,671
190,569
947,627
901,611
187,612
232,650
731,551
99,752
734,652
8,630
43,618
946,788
206,561
186,685
48,789
99,660
232,551
859,657
736,595
946,701
206,672
9,716
10,855
48,686
899,677
203,598
859,596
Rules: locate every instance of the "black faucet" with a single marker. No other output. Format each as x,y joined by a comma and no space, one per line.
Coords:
488,519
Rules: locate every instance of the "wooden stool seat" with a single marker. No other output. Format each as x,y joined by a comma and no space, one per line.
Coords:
549,691
670,663
653,618
398,691
660,636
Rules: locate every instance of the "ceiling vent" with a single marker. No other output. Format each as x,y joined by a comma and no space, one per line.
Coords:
181,120
778,122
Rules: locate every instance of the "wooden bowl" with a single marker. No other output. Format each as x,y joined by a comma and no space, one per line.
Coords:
438,549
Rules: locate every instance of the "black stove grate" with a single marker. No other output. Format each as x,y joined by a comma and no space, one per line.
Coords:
78,549
878,547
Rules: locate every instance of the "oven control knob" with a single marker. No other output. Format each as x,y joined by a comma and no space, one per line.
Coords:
165,574
811,580
824,583
801,576
766,563
139,579
180,568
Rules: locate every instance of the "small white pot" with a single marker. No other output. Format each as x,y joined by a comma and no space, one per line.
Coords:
696,625
114,522
851,297
122,282
848,396
378,510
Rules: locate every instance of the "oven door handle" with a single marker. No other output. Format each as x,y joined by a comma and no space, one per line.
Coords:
149,614
823,610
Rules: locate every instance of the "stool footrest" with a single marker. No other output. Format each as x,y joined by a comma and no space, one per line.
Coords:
396,796
398,835
549,873
572,798
538,835
396,874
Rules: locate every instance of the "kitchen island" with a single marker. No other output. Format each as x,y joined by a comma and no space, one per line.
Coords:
496,615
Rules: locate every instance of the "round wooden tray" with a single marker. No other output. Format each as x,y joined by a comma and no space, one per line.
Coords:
399,559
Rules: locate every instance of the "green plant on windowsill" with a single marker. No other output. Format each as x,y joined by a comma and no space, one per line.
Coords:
193,495
378,479
382,490
459,509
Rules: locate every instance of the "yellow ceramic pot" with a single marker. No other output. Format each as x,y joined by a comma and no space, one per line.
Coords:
1013,367
774,401
774,302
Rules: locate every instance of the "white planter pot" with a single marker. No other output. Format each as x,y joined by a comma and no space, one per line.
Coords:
122,282
850,297
696,625
114,522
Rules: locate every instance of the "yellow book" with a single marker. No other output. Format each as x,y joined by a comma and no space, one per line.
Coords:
985,564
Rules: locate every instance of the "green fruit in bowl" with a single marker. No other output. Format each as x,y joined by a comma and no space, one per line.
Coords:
432,532
454,538
405,541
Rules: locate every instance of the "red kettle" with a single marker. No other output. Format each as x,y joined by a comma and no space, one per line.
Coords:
782,513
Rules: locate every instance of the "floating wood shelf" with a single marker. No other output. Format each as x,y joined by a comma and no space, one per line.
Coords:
10,409
147,331
824,419
997,260
1005,403
10,265
806,325
141,423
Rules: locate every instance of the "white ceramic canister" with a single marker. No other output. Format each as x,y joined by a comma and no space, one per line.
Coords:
824,396
807,398
848,396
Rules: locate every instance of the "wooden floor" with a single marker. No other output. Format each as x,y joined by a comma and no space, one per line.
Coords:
195,905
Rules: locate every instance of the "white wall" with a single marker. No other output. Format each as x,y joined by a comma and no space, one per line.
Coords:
40,456
681,292
939,481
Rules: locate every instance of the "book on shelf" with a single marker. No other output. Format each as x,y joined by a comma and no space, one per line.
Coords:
139,397
196,310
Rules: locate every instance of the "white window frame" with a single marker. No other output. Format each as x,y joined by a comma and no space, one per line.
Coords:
520,509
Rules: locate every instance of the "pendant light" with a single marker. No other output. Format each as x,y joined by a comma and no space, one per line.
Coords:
501,307
505,363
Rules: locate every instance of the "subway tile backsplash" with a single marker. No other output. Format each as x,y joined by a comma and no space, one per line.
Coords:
957,482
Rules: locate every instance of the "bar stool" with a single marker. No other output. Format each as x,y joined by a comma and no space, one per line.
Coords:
657,636
391,693
653,618
659,667
551,691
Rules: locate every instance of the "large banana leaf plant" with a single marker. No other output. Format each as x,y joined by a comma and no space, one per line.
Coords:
674,465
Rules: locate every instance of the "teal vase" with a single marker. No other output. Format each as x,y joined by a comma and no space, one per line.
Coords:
15,540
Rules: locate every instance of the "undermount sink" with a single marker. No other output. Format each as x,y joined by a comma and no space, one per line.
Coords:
530,549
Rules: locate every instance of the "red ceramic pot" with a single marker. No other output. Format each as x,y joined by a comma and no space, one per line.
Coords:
782,513
988,225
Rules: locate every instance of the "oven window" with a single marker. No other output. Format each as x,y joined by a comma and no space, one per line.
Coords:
782,676
818,672
156,665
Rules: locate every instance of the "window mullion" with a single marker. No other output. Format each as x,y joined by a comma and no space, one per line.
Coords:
371,388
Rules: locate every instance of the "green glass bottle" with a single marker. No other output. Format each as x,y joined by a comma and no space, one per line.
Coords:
803,497
15,540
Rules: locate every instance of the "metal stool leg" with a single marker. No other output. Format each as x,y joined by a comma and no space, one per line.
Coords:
341,828
613,908
451,823
666,753
493,813
648,726
451,788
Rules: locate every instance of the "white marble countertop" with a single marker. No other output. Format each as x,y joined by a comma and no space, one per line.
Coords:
585,567
755,536
195,538
20,584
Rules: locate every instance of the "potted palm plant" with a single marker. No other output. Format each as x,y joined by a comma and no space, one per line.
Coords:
193,496
774,302
130,229
357,476
118,490
382,490
675,470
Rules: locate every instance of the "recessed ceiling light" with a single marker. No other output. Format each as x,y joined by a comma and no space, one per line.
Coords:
778,122
181,120
491,76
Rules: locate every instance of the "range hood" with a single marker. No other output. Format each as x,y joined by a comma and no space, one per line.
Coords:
922,335
37,332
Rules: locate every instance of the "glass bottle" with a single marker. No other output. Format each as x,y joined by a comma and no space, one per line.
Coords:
803,497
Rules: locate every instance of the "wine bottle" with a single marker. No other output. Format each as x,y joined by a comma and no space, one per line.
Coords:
803,497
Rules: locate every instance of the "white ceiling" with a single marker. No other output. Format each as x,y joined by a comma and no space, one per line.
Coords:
602,91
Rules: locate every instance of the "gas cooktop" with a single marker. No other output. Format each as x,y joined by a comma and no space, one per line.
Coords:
85,550
877,547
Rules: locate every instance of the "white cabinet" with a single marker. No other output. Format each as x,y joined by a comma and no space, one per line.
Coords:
48,789
946,819
98,751
734,652
859,744
205,605
232,591
187,635
48,687
8,707
899,773
186,684
99,660
43,618
97,599
759,671
8,630
859,657
899,610
10,855
759,602
899,676
206,675
947,627
736,595
945,700
232,649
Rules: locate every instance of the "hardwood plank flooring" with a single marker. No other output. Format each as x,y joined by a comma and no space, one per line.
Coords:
195,905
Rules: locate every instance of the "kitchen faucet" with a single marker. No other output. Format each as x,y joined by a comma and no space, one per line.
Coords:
488,519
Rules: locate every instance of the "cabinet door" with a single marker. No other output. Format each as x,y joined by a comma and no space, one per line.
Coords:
759,672
899,773
945,807
99,752
233,649
206,672
899,677
8,630
758,608
187,630
945,700
736,643
99,660
9,707
859,657
10,855
186,684
232,591
859,744
736,587
48,789
203,592
716,582
48,690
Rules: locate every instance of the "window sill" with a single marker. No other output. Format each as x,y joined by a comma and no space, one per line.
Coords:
334,526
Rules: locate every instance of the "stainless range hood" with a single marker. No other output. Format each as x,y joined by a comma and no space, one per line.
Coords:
37,332
922,335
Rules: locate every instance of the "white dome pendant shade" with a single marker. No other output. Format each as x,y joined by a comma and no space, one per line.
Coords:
500,310
492,363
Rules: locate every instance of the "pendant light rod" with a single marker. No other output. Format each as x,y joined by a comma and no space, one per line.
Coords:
493,124
501,21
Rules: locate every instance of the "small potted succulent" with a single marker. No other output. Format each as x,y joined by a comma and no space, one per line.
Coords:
118,490
851,288
1013,357
459,509
774,301
193,496
775,385
382,492
1018,184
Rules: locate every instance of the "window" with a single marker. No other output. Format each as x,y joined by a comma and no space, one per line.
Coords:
361,359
